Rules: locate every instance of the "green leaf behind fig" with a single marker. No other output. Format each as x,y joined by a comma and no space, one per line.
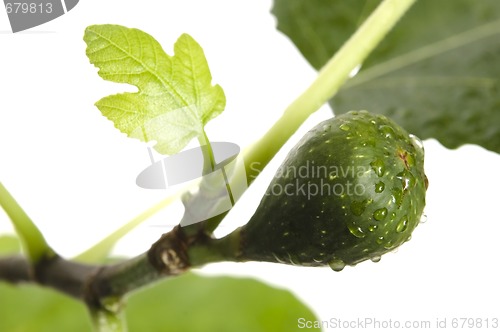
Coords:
175,98
436,74
215,304
31,308
186,303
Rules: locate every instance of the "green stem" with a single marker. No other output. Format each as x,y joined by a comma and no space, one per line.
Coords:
101,250
214,250
208,153
109,321
33,241
330,78
210,156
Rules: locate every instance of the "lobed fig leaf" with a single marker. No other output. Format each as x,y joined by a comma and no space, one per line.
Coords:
175,97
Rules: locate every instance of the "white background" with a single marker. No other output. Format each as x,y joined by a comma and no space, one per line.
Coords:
75,174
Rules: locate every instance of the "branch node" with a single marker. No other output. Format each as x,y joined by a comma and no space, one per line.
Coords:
169,254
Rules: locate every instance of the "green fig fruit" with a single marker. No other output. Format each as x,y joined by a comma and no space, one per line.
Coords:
352,189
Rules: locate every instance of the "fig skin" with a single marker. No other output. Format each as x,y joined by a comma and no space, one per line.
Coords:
352,189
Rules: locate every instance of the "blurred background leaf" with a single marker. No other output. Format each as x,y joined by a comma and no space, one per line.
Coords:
187,303
437,73
215,304
31,308
9,244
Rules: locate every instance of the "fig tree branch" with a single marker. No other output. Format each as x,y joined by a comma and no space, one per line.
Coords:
173,254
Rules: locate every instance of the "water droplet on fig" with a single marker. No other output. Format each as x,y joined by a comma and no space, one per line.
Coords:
372,228
370,141
379,187
407,179
397,196
380,214
402,225
378,166
380,239
389,245
345,127
375,259
423,218
417,142
357,207
387,131
337,265
356,231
